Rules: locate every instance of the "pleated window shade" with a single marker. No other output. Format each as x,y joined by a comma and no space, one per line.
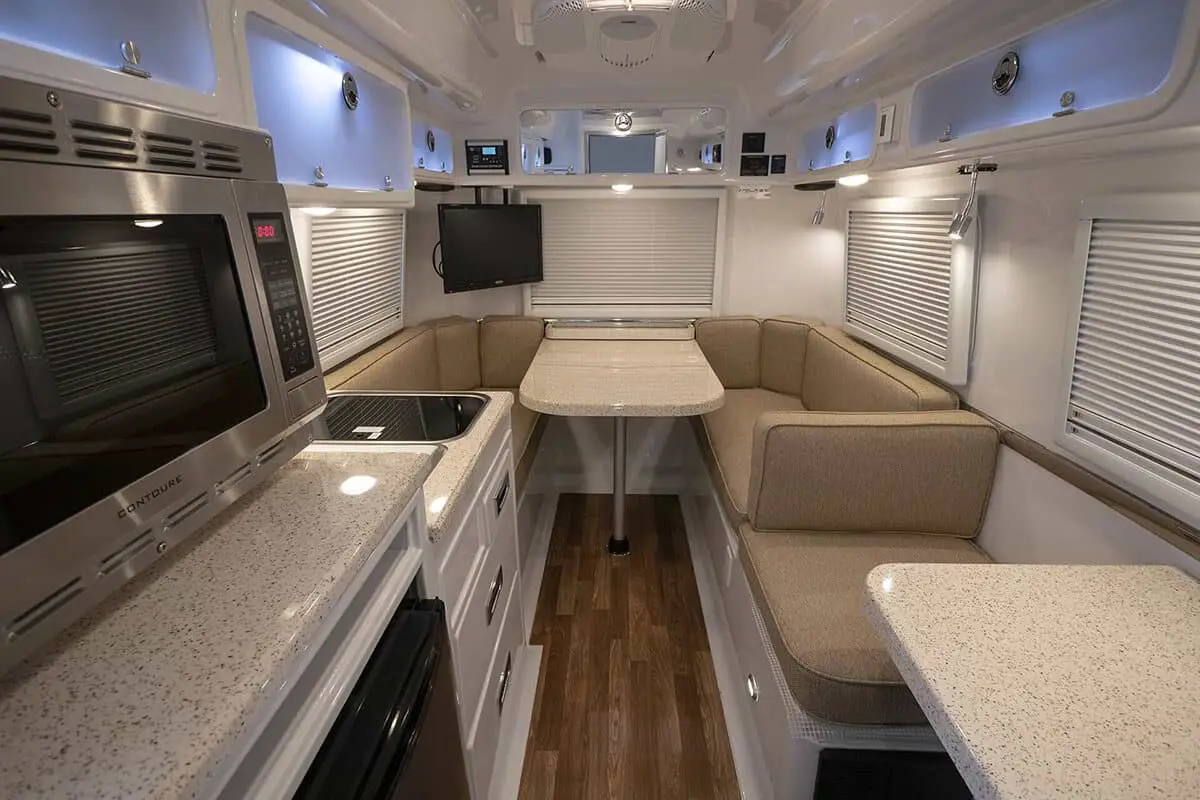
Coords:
628,257
1135,372
357,281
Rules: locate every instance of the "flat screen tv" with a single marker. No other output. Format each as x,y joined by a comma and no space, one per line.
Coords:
484,246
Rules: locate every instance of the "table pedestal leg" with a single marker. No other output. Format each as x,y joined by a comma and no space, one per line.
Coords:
618,545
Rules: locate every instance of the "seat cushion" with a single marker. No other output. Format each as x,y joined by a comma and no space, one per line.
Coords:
407,360
458,353
841,374
527,428
727,438
507,346
732,346
810,590
784,344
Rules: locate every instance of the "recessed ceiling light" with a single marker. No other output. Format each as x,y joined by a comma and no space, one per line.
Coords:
694,169
318,211
148,223
622,188
853,180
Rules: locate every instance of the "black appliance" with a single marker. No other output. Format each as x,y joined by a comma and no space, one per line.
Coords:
484,246
398,735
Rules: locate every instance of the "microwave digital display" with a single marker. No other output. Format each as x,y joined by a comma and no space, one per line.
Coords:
265,230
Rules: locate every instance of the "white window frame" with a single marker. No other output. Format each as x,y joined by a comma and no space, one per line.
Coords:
665,312
1162,487
964,272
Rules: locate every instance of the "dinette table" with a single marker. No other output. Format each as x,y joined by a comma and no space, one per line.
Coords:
609,369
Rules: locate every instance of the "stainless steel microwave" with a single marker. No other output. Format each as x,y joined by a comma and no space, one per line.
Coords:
156,353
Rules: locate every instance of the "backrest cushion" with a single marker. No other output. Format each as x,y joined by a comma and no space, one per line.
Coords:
507,346
407,360
458,353
732,346
842,375
928,472
784,344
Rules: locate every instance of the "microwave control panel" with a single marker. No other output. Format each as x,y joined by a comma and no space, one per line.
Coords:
280,278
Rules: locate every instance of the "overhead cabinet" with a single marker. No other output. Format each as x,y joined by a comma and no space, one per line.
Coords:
846,140
333,123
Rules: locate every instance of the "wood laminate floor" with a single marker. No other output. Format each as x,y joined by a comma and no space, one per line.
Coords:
627,703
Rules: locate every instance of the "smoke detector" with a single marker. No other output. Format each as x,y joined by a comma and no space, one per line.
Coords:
628,40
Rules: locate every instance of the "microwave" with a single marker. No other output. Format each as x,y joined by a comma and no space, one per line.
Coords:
157,356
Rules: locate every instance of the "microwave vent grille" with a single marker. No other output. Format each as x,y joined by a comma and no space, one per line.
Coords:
232,480
97,141
120,558
222,157
27,132
164,150
33,616
188,509
270,452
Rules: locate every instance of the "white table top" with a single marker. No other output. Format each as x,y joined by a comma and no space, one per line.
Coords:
1052,681
621,379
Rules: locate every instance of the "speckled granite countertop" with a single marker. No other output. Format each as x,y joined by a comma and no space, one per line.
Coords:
1052,681
150,694
621,379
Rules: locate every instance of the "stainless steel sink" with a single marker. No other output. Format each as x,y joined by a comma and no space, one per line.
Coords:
397,417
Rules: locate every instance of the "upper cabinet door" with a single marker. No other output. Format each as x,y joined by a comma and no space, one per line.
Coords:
332,122
165,41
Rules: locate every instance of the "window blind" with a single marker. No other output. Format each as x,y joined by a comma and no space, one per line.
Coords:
910,289
627,256
357,281
1135,387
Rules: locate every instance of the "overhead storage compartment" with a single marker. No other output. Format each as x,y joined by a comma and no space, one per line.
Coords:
848,139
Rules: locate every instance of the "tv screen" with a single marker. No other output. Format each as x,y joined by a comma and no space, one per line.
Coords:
484,246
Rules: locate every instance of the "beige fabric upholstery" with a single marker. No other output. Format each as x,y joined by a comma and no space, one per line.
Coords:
916,472
458,353
407,360
732,346
784,343
809,588
729,439
507,346
527,429
842,375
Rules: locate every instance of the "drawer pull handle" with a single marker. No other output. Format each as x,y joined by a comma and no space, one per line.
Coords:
504,679
502,495
752,688
494,594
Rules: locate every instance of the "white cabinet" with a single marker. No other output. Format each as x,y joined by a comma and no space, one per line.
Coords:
162,52
333,122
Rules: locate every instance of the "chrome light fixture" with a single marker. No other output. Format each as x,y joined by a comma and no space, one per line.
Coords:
623,123
966,215
823,187
7,279
819,214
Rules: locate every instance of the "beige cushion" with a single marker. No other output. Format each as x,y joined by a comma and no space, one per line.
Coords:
407,360
507,346
928,472
842,375
731,345
809,588
458,353
784,343
728,438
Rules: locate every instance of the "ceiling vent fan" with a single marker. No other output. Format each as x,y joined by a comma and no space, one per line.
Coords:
628,32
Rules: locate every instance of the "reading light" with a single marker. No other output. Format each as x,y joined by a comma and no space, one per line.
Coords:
148,223
853,180
318,211
966,215
622,188
819,214
7,279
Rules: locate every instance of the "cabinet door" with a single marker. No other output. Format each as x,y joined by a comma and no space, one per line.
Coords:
169,39
357,137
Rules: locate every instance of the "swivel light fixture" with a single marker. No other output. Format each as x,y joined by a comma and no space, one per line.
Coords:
819,214
7,279
965,216
823,187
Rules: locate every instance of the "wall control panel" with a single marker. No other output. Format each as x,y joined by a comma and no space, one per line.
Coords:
487,157
280,276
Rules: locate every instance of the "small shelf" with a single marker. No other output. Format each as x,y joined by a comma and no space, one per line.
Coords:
853,141
1107,55
300,100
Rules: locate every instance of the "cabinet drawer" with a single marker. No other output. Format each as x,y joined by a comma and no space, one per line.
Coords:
459,561
476,633
498,698
500,500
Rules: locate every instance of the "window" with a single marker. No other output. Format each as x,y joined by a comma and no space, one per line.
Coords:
652,253
357,269
1133,387
910,290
